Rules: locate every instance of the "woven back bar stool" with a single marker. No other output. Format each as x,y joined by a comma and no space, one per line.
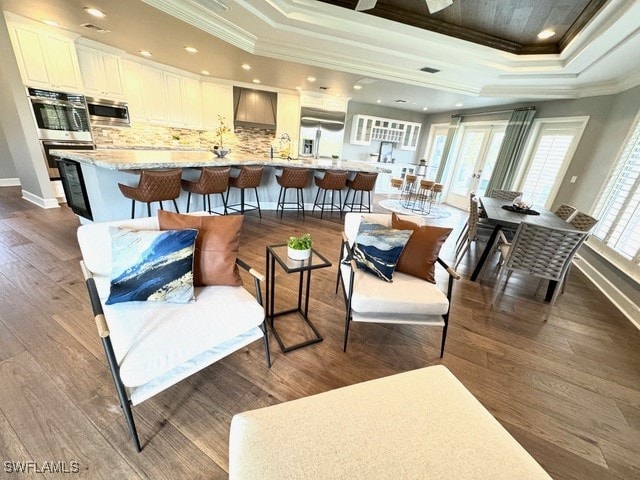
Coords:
212,180
292,178
154,186
362,182
333,181
249,177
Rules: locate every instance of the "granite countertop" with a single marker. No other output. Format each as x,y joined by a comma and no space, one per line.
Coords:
133,159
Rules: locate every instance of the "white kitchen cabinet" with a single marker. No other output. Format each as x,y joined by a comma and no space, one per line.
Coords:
133,90
323,102
175,98
192,102
361,129
45,59
101,73
411,136
217,99
154,94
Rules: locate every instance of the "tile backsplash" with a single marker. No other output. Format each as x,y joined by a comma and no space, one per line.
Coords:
247,141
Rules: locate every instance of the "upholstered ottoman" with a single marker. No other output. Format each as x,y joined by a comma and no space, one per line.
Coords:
422,424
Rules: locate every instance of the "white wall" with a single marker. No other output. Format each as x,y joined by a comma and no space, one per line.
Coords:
7,170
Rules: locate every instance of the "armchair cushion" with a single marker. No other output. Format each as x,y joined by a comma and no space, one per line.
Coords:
405,296
149,265
217,245
421,253
377,248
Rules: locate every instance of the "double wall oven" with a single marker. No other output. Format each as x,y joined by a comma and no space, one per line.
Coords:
63,123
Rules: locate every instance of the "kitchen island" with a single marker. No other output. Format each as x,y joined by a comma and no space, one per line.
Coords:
94,176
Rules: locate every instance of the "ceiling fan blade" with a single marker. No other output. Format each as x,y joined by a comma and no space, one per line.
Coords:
365,5
437,5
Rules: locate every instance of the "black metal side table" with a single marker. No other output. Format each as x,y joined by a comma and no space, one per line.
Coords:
315,261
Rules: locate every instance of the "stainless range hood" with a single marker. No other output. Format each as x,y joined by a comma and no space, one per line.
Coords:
254,108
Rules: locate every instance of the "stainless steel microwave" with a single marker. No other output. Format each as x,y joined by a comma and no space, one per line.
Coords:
107,113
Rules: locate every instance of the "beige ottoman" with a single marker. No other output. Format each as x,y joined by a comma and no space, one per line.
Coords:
422,424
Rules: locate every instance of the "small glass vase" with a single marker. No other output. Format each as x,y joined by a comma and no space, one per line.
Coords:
221,152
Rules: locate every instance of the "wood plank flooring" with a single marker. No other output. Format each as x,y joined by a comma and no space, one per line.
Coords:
568,390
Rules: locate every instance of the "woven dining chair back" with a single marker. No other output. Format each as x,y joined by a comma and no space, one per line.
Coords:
542,252
504,194
583,222
565,211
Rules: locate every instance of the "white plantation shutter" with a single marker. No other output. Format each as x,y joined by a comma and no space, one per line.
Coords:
618,205
551,153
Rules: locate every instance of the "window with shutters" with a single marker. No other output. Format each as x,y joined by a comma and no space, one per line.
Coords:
618,204
435,146
549,153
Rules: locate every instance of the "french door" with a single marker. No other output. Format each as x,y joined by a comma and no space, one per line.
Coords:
476,156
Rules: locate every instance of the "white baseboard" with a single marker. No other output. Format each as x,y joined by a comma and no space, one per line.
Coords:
9,182
39,201
628,308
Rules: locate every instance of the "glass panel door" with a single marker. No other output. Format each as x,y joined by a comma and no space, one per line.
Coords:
474,163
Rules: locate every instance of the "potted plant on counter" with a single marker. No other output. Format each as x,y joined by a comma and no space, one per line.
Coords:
221,133
299,248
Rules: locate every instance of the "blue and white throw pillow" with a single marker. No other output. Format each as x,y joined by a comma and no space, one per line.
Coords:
151,265
377,248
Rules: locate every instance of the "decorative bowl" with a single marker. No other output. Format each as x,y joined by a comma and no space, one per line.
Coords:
221,152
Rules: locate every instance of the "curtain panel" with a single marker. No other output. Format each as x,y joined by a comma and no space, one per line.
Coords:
510,154
446,150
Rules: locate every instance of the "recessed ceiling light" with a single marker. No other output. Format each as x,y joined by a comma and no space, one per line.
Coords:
51,23
424,109
255,80
205,72
246,66
95,12
191,49
311,79
299,88
145,53
548,33
378,101
459,104
357,87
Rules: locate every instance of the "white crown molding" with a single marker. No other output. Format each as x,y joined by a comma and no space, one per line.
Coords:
39,201
9,182
207,21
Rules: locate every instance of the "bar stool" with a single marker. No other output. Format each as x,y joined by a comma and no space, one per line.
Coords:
408,188
249,177
396,183
292,178
423,194
436,193
154,186
362,182
333,180
212,180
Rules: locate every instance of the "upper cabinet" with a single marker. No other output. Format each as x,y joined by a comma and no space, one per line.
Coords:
133,89
101,73
46,59
366,128
323,102
217,99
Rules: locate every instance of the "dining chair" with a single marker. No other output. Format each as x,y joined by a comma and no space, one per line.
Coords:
504,194
583,222
542,252
565,211
475,231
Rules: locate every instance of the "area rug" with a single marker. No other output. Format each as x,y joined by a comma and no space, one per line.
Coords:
404,207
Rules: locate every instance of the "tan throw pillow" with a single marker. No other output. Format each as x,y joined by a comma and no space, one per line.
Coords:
217,245
421,253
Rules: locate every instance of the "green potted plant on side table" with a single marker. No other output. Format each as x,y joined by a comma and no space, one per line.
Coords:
299,248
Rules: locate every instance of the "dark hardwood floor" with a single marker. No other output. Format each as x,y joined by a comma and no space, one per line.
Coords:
567,389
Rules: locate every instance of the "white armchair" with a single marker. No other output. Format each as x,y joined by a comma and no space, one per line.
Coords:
406,300
151,346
